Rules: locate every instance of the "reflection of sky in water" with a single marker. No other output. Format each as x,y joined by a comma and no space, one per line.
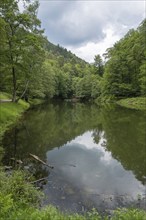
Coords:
87,141
96,170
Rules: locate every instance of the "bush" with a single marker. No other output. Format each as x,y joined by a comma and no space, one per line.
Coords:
131,214
17,187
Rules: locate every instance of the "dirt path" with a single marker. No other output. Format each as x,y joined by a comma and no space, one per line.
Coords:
5,100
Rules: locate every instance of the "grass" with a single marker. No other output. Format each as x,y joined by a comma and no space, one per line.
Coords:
51,213
10,112
19,199
138,103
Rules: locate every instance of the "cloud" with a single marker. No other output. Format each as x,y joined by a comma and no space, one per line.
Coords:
88,51
69,22
84,25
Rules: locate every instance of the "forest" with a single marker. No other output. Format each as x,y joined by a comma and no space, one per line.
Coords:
32,67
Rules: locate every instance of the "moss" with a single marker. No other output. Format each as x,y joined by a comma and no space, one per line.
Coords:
138,103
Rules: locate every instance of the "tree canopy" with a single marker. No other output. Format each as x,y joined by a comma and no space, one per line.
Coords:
33,67
125,73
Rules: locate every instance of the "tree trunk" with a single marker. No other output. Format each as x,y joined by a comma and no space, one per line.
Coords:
14,85
14,81
25,89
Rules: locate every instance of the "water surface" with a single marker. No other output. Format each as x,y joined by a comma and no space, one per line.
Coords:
98,154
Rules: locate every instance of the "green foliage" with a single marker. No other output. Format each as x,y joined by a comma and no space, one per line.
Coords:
87,87
142,78
16,186
131,214
49,79
21,49
125,69
67,78
99,64
17,196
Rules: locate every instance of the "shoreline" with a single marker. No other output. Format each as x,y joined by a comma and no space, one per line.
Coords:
10,113
137,103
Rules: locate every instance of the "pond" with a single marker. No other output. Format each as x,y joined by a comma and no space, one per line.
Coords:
98,154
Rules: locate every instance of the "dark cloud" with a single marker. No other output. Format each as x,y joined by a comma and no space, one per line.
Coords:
70,22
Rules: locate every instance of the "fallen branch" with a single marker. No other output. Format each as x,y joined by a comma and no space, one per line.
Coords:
39,180
41,161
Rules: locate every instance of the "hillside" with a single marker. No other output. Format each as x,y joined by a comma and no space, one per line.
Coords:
58,50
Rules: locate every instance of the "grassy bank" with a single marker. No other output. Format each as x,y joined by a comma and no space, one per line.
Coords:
138,103
19,200
10,112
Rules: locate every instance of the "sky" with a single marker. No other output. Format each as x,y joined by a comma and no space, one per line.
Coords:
88,28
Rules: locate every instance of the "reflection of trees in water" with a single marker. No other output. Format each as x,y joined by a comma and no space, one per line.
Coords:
14,157
50,127
54,125
97,133
125,136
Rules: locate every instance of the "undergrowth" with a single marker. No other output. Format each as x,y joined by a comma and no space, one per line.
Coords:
20,200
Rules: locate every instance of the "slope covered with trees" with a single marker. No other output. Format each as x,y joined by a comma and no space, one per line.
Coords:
66,75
